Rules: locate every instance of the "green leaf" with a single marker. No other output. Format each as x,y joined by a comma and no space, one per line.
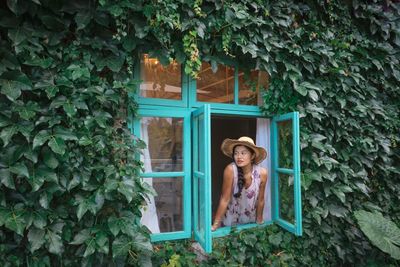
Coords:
57,145
41,138
113,62
382,232
51,91
82,19
36,238
15,221
121,246
313,95
54,242
28,111
10,89
20,169
69,109
36,181
64,134
4,121
6,178
7,133
44,63
81,237
18,35
126,187
91,247
275,239
50,159
82,209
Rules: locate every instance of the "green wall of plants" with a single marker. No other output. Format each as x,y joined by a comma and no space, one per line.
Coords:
70,194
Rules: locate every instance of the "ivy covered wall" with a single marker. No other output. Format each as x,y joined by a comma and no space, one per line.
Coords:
70,193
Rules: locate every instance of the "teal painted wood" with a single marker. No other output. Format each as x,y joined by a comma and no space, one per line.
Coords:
169,236
160,101
297,176
187,192
224,231
161,174
202,177
274,174
296,227
236,86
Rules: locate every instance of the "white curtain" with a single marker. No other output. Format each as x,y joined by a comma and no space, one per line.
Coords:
149,213
263,140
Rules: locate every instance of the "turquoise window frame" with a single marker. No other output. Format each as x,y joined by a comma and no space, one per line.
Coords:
296,227
162,101
192,86
185,173
185,108
204,175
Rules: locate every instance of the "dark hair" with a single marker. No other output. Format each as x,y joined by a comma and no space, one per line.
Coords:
240,181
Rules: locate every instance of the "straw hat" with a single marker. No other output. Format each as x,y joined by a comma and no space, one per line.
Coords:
228,145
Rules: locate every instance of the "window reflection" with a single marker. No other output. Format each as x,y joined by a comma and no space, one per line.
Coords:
160,81
165,139
216,87
169,203
250,84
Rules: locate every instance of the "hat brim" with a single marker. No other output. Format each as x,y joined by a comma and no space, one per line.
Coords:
228,145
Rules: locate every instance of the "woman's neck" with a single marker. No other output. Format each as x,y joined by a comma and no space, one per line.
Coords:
247,169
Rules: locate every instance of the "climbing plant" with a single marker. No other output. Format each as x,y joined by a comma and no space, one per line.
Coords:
70,192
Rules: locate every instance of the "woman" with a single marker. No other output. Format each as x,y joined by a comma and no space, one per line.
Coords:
242,197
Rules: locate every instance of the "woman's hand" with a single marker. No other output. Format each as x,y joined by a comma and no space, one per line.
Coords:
215,225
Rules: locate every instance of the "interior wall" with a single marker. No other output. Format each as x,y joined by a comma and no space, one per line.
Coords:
225,127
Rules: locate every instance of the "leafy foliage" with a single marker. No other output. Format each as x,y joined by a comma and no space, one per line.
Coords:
382,232
70,193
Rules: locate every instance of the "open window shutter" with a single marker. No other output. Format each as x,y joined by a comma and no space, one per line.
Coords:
286,188
202,177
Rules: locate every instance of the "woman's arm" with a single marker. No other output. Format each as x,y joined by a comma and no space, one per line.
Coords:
225,196
261,198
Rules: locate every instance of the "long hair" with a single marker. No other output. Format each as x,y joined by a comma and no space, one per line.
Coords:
240,181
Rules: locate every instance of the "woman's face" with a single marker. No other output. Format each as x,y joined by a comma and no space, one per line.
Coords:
242,155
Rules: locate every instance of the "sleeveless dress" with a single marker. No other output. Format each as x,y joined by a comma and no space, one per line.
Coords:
243,209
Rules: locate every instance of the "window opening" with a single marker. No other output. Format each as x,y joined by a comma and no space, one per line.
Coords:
233,127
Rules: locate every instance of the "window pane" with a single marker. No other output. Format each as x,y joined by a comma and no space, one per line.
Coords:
200,156
286,197
285,135
164,138
168,203
160,81
250,83
215,87
202,209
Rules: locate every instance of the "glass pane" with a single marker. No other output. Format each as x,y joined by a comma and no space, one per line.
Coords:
168,203
286,197
202,208
250,83
160,81
285,135
200,145
164,138
216,87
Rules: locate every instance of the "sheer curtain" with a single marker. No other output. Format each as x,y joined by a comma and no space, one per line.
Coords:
263,140
149,213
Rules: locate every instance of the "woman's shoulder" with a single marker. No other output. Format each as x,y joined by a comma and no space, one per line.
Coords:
263,172
229,169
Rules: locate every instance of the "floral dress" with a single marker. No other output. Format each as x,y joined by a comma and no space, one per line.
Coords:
243,209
